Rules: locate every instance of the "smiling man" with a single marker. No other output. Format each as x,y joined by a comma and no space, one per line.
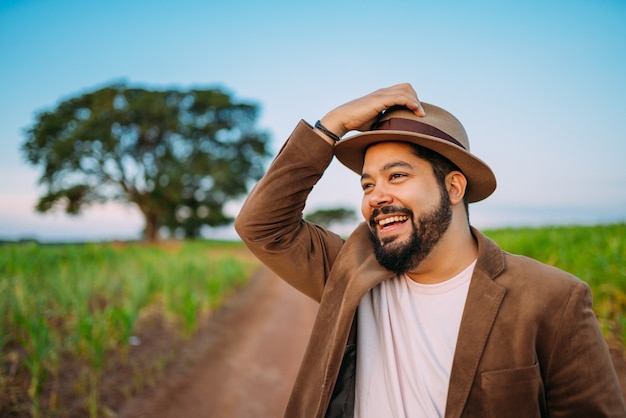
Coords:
420,314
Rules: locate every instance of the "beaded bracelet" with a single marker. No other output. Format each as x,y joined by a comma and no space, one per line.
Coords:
322,128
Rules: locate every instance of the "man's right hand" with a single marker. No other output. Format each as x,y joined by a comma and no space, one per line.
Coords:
361,113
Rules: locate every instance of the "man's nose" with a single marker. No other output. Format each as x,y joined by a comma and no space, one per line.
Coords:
380,197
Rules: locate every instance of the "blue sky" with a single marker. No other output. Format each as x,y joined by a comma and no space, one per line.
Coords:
539,86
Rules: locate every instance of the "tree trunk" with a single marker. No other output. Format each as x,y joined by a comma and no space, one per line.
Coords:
151,230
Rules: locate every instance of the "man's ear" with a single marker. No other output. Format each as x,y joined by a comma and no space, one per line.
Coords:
456,184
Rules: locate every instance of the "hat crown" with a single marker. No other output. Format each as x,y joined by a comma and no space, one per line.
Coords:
446,125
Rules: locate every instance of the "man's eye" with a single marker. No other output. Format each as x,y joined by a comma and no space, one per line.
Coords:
395,176
366,186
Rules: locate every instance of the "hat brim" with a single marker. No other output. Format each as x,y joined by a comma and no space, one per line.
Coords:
481,181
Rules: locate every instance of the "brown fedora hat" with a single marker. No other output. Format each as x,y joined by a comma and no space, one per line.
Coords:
439,131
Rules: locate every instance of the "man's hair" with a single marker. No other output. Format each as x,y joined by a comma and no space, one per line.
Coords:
441,168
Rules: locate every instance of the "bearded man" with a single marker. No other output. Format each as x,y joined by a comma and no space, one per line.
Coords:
420,314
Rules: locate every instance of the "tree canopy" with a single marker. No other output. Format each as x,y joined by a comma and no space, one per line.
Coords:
179,156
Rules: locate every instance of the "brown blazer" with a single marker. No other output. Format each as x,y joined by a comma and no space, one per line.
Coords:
529,344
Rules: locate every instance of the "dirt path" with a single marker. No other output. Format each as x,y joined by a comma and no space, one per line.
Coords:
246,359
249,361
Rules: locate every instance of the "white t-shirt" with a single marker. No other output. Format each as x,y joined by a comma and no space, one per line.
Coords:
407,335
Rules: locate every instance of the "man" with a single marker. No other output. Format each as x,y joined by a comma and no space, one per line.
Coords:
420,314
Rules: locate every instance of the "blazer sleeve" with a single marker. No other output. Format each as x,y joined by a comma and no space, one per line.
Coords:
581,379
270,221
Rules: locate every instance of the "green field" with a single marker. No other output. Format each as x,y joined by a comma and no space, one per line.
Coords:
79,308
70,315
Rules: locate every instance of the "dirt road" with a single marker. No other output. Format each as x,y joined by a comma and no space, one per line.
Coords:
249,360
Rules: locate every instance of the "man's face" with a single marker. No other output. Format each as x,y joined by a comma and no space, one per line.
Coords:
408,211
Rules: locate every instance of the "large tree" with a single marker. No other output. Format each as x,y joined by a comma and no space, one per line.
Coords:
179,156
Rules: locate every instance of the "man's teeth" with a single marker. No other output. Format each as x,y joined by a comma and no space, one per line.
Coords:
393,219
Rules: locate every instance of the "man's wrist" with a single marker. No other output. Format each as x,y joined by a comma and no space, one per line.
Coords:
320,127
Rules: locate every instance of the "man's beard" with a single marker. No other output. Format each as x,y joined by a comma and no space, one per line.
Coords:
401,257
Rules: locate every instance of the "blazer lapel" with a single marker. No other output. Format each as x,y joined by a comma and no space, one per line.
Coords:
483,302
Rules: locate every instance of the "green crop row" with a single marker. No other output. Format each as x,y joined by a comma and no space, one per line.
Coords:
85,301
